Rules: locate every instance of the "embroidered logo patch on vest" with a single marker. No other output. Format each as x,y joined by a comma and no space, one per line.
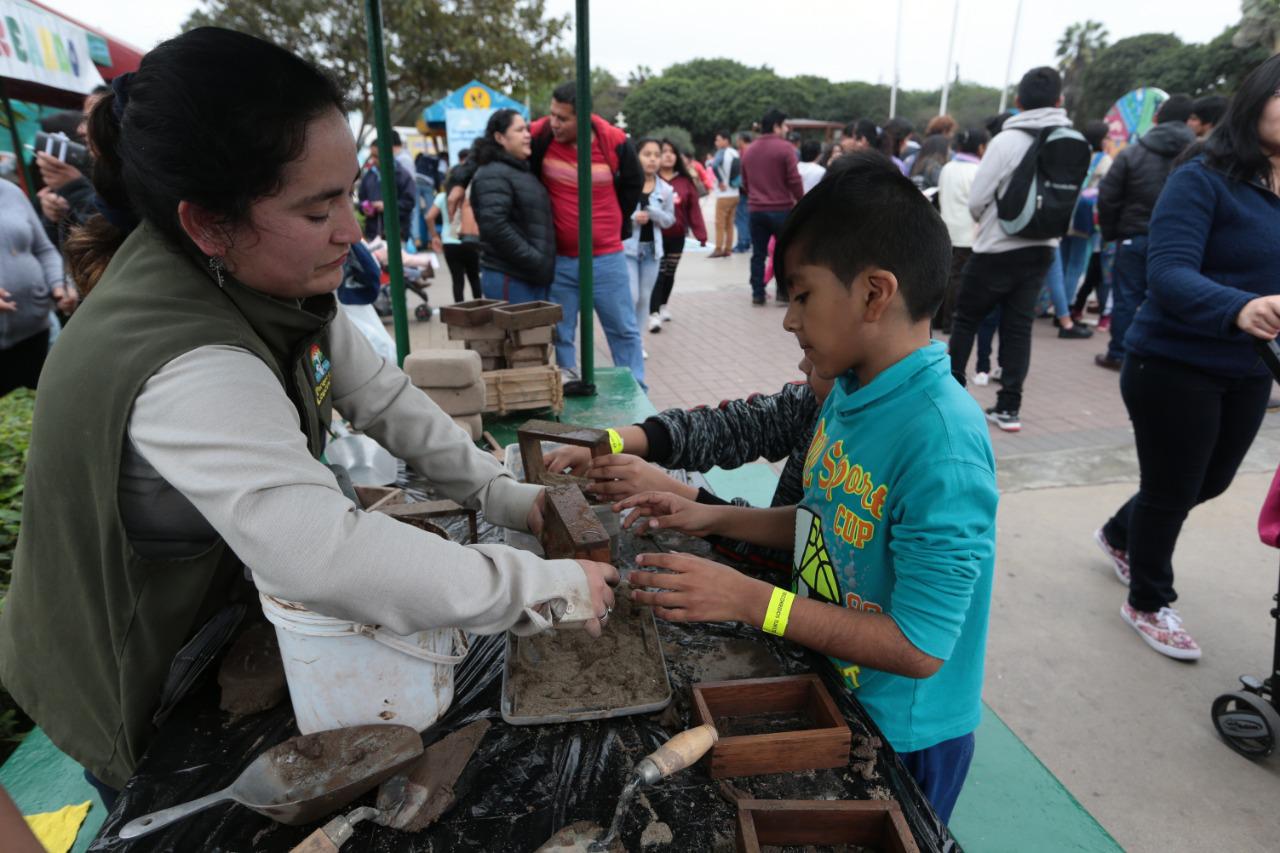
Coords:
321,372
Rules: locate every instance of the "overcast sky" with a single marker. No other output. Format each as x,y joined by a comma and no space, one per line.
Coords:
837,39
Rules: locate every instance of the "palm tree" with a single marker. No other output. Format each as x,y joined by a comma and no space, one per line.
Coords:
1081,43
1259,25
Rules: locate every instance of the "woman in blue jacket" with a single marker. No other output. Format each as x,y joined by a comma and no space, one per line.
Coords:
1192,381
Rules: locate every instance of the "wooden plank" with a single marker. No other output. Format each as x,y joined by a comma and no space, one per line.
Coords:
477,312
877,824
374,498
527,315
824,744
570,528
424,510
531,435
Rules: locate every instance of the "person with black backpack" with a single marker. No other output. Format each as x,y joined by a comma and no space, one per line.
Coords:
1022,197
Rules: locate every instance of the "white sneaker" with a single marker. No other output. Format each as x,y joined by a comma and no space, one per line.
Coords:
645,353
997,372
981,379
665,313
655,323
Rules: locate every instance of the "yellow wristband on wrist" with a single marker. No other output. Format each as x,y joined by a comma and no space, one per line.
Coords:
615,441
775,618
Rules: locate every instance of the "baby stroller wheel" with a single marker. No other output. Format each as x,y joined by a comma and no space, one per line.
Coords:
1247,722
422,311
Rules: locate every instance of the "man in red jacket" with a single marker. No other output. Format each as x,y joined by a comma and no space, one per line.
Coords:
616,180
773,186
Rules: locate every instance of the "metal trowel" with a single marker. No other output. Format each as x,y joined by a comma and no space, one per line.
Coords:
680,752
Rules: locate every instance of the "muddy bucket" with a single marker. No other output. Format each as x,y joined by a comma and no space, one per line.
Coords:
343,673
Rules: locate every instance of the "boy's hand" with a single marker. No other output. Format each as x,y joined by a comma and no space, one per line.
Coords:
698,590
622,475
668,512
575,459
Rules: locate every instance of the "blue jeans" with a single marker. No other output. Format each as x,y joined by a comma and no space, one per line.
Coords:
613,305
642,274
940,771
499,285
742,224
764,224
1129,288
1074,253
1054,283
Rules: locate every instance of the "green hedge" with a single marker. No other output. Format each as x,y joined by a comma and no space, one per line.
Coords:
15,435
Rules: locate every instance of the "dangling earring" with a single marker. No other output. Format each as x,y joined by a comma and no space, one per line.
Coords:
217,266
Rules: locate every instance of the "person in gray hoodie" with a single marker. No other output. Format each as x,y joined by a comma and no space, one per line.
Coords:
1006,271
1126,197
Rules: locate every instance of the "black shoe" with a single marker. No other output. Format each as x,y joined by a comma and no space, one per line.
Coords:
757,301
1103,360
578,388
1079,331
1007,421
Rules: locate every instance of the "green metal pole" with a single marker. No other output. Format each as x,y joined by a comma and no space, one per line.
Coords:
23,168
586,288
387,166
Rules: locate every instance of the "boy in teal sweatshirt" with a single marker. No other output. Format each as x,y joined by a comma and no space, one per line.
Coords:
894,540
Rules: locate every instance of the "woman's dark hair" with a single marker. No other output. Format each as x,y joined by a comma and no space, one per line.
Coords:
1234,146
648,140
810,150
1095,133
995,124
868,130
970,140
680,167
893,134
934,152
487,149
211,117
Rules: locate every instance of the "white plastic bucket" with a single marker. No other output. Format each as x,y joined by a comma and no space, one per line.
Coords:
343,673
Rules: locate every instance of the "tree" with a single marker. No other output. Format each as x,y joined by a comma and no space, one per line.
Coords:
1259,25
678,135
432,46
1079,46
1150,59
607,94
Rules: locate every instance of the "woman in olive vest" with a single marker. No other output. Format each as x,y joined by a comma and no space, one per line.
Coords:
180,420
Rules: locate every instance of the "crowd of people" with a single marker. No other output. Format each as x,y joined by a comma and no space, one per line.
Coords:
204,451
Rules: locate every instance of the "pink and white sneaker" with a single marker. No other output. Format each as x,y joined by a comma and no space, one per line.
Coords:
1162,631
1119,559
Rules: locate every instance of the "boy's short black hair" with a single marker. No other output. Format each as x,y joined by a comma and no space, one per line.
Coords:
809,150
1176,108
566,93
865,213
724,134
1039,87
1095,133
1210,109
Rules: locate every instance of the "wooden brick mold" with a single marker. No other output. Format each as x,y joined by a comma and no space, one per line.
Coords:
420,514
570,527
870,824
823,742
477,312
533,433
526,315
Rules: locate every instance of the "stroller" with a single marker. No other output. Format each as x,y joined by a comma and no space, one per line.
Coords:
1249,719
419,269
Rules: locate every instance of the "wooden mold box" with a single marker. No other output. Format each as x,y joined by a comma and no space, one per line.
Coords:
571,528
526,315
531,434
477,312
423,511
823,741
871,824
523,388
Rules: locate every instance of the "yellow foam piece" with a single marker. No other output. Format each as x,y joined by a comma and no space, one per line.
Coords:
57,831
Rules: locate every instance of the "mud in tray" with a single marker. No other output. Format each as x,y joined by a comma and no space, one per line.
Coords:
564,675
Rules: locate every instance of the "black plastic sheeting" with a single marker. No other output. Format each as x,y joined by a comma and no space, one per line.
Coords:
524,782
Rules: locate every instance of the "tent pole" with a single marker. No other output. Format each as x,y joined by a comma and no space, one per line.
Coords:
23,169
586,298
387,167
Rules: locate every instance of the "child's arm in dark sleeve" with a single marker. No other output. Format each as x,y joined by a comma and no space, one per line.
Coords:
738,431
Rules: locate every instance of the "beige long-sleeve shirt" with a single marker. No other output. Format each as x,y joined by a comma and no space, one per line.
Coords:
217,426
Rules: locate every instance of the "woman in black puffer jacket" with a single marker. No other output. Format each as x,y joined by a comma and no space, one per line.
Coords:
513,211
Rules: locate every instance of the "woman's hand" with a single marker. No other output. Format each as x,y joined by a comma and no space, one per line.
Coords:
601,579
53,206
666,511
1260,317
569,458
437,245
7,303
67,298
694,589
642,218
55,173
622,475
